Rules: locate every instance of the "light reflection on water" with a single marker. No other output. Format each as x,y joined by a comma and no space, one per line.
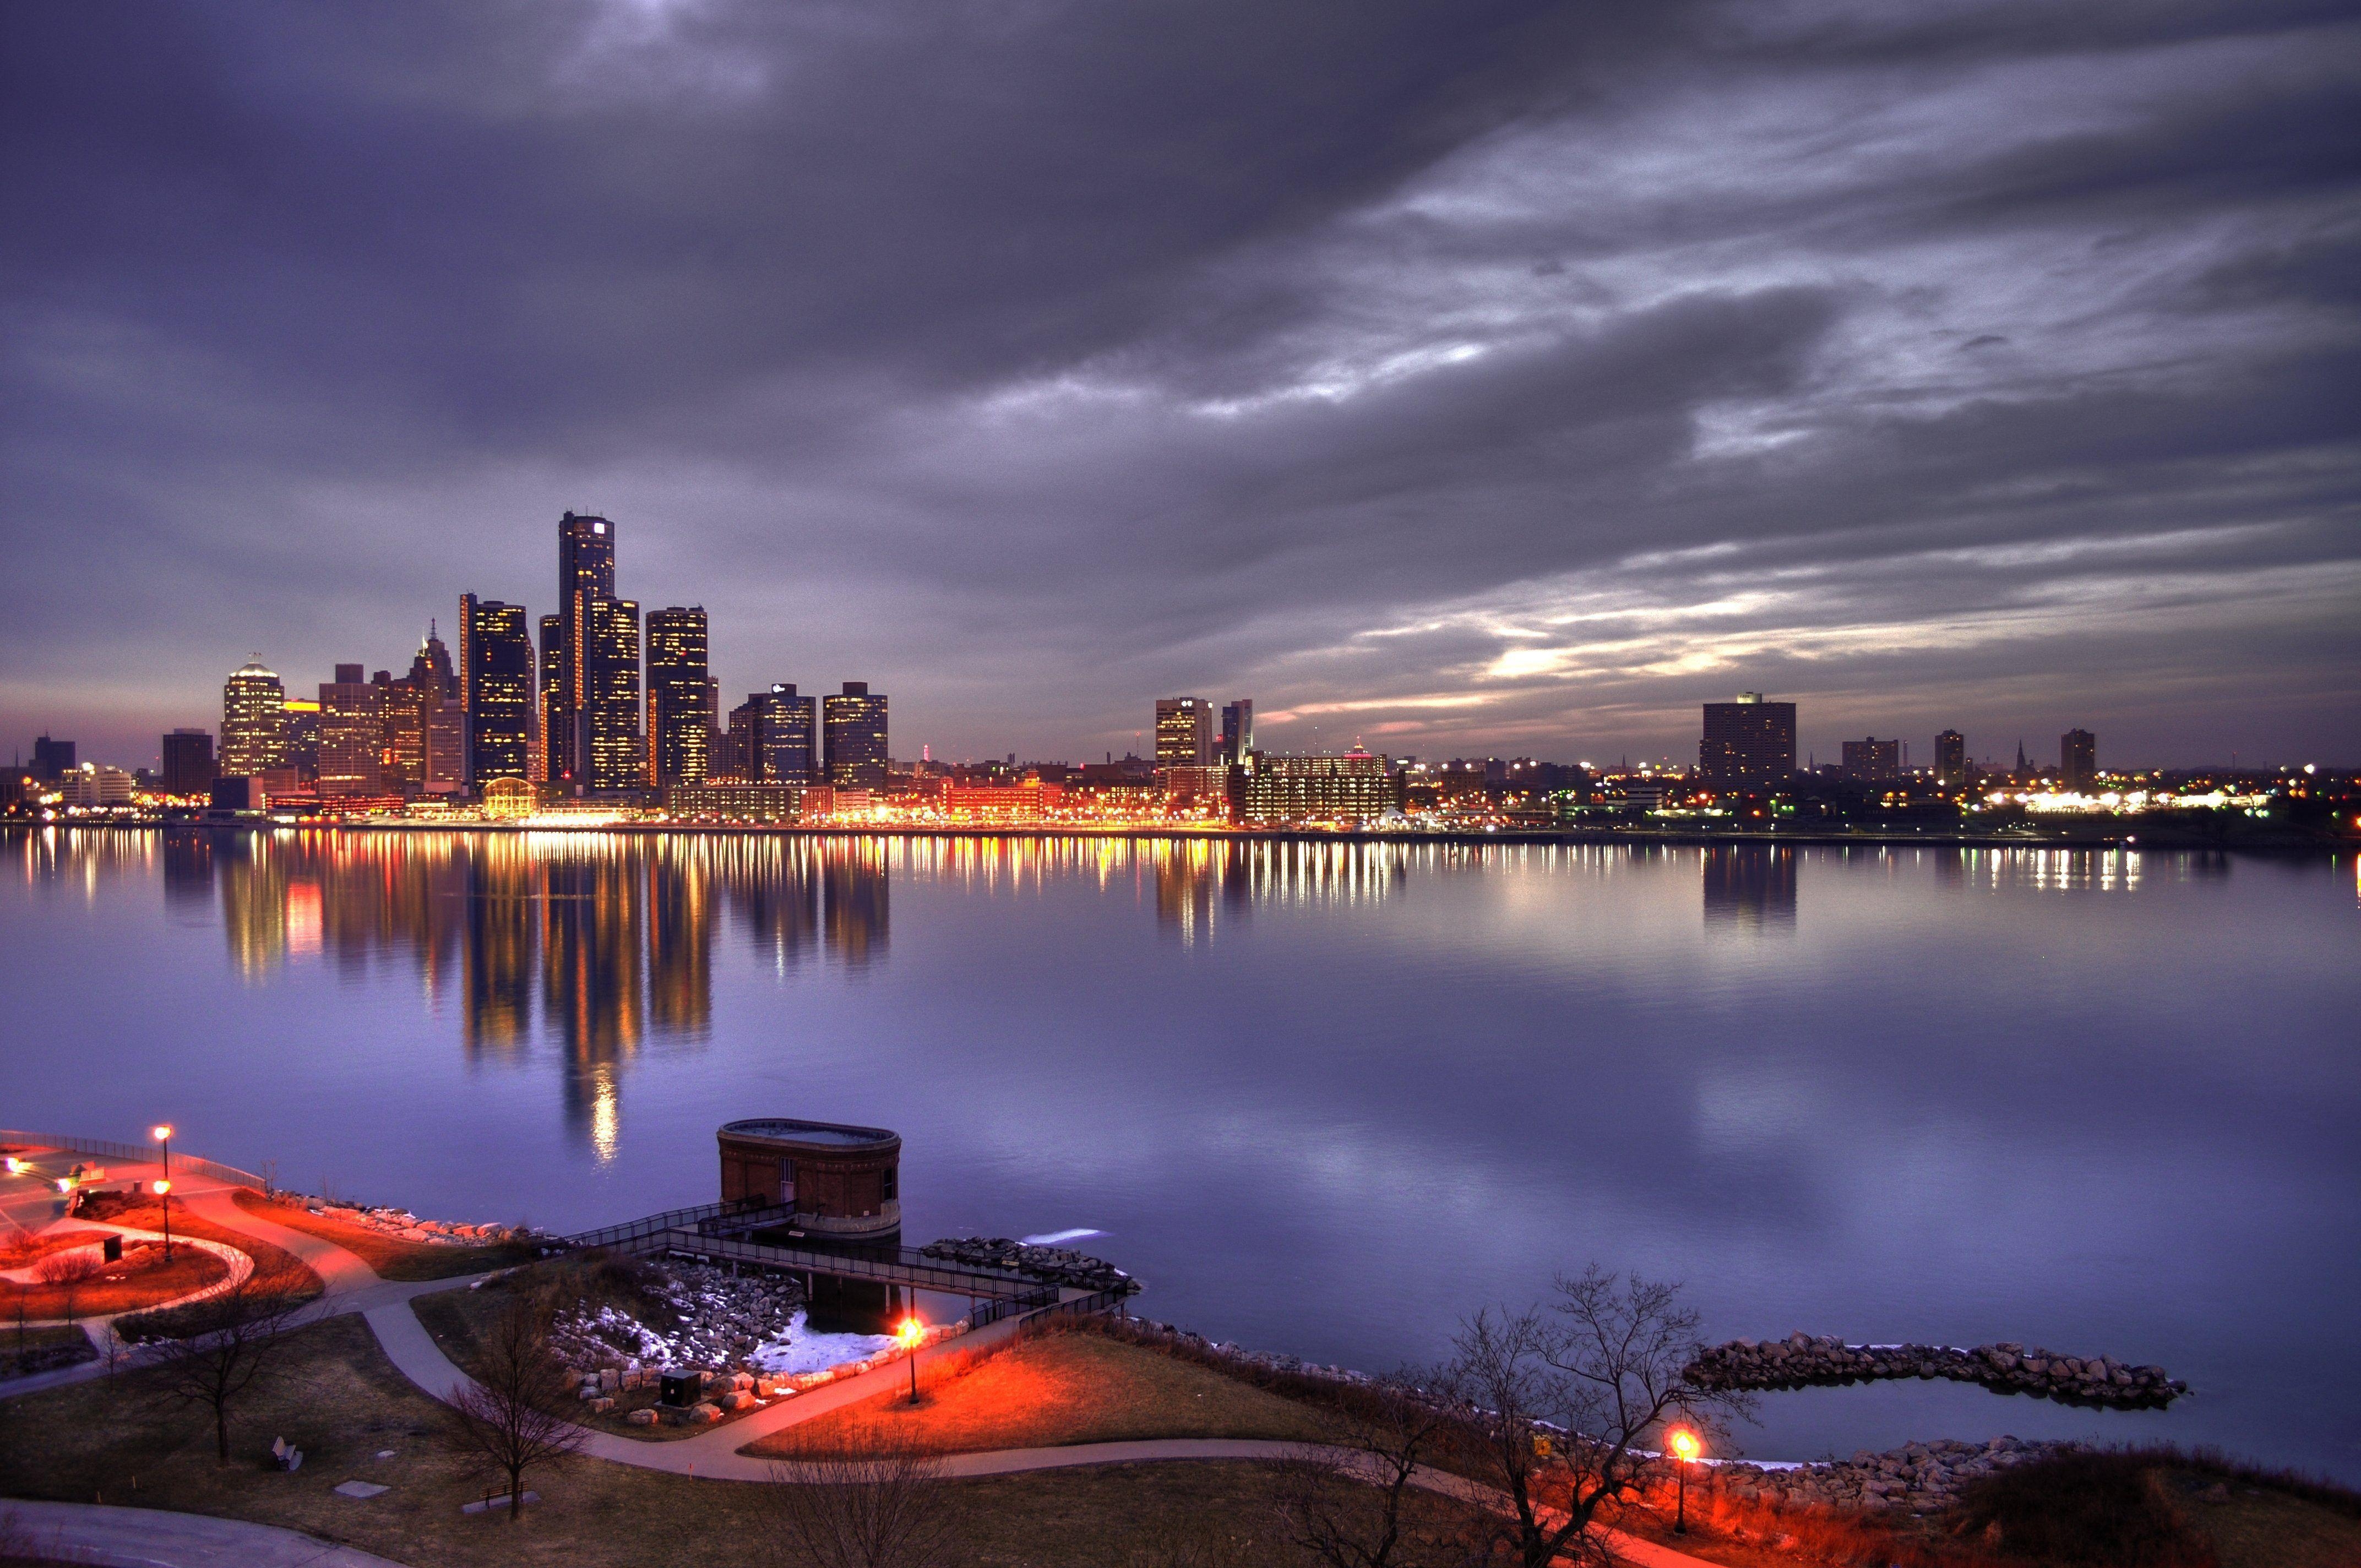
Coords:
1324,1096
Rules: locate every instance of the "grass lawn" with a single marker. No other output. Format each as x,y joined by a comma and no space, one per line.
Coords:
144,1214
1061,1388
142,1280
393,1258
2258,1527
344,1402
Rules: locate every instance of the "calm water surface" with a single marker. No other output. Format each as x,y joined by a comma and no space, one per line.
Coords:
1324,1099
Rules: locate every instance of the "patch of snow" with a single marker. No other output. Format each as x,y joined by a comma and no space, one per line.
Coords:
801,1350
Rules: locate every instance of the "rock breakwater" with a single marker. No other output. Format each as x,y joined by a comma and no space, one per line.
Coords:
1050,1265
1802,1361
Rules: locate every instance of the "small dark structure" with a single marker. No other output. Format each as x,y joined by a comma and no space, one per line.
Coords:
843,1185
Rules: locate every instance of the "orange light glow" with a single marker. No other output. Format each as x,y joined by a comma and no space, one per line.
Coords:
159,1132
162,1187
909,1333
1683,1442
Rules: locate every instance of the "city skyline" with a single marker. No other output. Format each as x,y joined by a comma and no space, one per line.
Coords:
1491,399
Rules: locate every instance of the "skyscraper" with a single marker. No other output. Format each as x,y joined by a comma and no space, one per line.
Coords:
253,722
352,735
415,718
188,762
1237,730
1748,744
1951,760
682,697
1184,732
1872,761
585,564
2078,759
772,738
495,691
602,665
52,759
855,723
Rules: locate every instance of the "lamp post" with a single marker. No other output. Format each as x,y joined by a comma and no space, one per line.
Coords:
162,1134
1683,1444
912,1333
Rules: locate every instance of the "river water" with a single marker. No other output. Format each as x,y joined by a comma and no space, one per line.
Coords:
1322,1098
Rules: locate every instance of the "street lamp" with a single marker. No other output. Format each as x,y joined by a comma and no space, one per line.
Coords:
162,1133
1683,1444
910,1334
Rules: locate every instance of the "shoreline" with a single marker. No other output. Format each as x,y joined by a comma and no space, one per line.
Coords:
2134,842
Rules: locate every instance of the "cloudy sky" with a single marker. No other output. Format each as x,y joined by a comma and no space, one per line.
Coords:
1462,378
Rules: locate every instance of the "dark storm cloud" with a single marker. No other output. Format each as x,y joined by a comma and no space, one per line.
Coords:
1502,377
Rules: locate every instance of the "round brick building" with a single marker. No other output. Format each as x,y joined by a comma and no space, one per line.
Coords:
842,1182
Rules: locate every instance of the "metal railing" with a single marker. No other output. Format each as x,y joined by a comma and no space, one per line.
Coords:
992,1311
639,1235
908,1266
110,1149
1083,1305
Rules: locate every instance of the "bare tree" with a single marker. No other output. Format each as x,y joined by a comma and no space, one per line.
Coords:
227,1345
1348,1508
66,1273
878,1502
1562,1398
509,1419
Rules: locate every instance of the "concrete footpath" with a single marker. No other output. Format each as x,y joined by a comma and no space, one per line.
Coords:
151,1538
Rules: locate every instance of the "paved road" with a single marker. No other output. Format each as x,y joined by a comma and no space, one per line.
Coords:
152,1538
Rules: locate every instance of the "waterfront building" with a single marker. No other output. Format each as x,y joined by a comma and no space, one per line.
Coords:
1748,744
854,722
1184,732
682,697
253,721
772,738
727,800
94,785
1354,787
2078,760
352,735
1237,732
1000,804
585,565
1192,788
1951,760
188,761
414,720
1872,761
496,691
51,759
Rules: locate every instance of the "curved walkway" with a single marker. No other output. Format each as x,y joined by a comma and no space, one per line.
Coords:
154,1538
352,1286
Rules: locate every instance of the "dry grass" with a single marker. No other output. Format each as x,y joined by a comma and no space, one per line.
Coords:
279,1267
1055,1389
142,1280
393,1258
101,1440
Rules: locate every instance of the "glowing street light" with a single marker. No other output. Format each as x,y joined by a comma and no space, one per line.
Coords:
162,1133
910,1334
1684,1445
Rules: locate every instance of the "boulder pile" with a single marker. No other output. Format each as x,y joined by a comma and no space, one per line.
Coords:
699,1316
1919,1477
1050,1265
1802,1361
403,1225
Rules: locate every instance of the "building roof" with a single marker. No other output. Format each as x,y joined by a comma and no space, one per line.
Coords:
786,1130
